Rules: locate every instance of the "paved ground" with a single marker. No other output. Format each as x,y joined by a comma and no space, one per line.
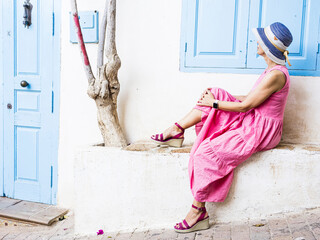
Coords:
302,226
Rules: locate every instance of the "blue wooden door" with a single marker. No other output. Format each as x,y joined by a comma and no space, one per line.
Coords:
216,33
28,110
300,16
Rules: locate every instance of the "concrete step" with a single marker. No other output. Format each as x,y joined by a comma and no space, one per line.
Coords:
124,190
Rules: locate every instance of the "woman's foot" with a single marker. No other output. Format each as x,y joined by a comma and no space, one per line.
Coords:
172,131
172,136
192,217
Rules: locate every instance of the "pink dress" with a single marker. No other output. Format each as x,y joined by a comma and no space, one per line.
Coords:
226,139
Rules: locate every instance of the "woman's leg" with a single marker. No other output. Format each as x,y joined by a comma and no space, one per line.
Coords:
192,118
194,214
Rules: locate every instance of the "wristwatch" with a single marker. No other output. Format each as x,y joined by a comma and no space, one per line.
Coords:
215,104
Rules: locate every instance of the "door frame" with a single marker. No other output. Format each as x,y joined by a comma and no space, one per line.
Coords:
1,101
56,97
56,16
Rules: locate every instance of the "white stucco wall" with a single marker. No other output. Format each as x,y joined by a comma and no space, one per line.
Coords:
143,195
154,93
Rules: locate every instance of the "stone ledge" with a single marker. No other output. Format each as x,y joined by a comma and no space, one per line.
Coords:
150,189
149,146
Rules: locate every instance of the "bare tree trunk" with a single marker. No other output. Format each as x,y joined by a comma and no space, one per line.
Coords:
105,89
102,37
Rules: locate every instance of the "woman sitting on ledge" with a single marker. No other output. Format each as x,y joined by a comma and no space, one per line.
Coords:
231,128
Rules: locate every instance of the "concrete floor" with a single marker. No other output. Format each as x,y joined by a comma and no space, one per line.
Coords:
289,226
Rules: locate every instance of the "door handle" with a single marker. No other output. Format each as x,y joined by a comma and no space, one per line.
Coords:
24,83
27,13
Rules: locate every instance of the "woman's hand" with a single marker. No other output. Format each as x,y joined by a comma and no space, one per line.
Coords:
207,98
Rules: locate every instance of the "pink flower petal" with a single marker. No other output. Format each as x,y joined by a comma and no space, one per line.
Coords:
100,232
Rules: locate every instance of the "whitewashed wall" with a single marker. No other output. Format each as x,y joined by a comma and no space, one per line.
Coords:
154,93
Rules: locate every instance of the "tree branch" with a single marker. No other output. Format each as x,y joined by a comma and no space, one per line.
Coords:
113,61
111,29
83,51
102,37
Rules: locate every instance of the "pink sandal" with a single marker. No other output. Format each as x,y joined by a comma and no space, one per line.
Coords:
175,141
201,224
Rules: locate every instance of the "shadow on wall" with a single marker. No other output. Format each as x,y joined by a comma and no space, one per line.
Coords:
300,125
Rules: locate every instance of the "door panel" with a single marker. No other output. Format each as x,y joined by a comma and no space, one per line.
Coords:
27,159
27,125
27,40
216,33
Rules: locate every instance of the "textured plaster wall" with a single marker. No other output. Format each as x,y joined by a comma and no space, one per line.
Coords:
145,191
154,93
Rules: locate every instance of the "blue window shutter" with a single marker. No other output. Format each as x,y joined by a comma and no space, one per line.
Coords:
216,33
300,16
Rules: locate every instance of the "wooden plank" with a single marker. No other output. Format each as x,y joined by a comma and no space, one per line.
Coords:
48,215
33,212
6,202
22,210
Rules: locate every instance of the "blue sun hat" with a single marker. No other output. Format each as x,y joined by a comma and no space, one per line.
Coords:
274,40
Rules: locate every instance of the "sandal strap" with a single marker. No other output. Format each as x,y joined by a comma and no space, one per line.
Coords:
201,209
161,137
180,225
178,125
154,137
178,135
185,223
202,216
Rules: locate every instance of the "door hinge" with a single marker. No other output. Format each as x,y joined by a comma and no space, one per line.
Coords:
185,47
53,24
51,176
52,101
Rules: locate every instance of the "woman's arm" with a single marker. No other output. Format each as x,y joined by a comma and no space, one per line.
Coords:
271,83
240,98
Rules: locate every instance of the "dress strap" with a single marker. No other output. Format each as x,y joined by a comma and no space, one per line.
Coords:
285,72
281,68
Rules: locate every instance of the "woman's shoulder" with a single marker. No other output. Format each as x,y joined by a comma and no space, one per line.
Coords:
277,73
280,76
279,69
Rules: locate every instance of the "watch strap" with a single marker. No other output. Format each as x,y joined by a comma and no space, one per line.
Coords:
215,104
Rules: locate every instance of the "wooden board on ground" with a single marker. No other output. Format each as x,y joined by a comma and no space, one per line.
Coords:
30,211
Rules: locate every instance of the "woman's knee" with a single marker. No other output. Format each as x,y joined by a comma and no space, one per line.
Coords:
216,91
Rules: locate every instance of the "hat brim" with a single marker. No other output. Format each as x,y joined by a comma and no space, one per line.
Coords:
271,51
